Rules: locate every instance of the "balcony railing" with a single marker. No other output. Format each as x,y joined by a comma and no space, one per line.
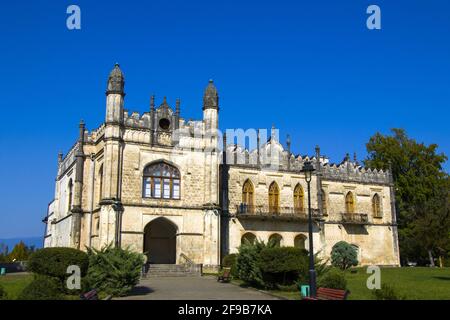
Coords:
250,211
354,218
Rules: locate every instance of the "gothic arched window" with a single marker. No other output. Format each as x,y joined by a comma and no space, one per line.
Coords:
324,202
274,198
349,203
299,198
248,195
376,206
100,178
69,195
162,181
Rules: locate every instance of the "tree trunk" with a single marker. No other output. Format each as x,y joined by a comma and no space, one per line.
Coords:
441,262
430,256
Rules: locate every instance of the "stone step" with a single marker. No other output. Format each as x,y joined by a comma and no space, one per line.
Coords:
171,270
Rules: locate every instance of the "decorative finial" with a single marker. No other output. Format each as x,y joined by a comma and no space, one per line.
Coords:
210,97
82,124
288,140
355,159
152,102
60,156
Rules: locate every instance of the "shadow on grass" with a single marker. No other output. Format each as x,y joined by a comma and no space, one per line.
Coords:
442,278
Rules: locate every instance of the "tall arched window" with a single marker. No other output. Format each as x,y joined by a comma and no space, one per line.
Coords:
324,202
69,195
300,241
162,181
248,238
349,203
274,198
299,197
248,195
100,189
276,239
376,206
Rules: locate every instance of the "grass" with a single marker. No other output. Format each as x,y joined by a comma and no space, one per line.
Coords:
412,283
13,284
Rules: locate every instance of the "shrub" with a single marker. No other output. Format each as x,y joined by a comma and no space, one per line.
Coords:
387,292
247,263
2,293
333,279
282,265
114,271
53,262
343,255
229,261
42,288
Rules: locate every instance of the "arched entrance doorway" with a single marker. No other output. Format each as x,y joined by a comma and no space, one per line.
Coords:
160,242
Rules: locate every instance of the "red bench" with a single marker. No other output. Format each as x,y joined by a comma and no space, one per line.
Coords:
329,294
226,276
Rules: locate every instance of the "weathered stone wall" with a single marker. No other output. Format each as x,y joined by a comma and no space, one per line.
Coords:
375,239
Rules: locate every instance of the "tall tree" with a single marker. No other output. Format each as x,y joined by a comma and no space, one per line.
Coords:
422,191
20,252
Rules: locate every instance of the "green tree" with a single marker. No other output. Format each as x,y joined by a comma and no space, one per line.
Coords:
20,252
113,270
343,255
421,192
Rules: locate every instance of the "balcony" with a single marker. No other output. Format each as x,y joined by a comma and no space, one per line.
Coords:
354,218
246,211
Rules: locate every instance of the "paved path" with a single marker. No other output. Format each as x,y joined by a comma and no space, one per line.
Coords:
192,288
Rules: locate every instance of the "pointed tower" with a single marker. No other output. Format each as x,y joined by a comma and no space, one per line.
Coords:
111,206
211,106
115,96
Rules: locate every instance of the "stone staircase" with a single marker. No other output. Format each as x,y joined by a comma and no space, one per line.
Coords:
173,270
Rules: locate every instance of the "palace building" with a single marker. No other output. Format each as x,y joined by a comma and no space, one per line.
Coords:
161,185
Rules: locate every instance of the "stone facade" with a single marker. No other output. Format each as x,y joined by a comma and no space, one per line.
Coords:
191,208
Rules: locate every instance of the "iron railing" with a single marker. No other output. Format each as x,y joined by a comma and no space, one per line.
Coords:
244,209
354,218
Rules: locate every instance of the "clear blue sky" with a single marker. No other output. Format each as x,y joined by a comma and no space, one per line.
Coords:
312,68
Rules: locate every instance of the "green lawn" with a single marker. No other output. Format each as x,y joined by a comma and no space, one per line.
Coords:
13,284
412,283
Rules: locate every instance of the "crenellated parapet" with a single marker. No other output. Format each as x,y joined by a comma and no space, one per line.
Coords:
273,156
352,172
68,160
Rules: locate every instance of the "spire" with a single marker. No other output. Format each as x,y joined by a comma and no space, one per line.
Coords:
211,97
177,106
82,127
116,81
152,103
288,143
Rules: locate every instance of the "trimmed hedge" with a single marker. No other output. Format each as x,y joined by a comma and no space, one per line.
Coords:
333,279
53,262
42,288
282,265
